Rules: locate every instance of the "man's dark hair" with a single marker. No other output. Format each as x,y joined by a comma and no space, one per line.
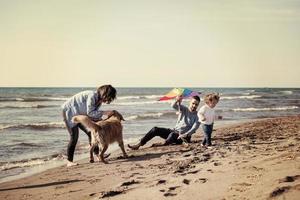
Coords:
107,92
196,98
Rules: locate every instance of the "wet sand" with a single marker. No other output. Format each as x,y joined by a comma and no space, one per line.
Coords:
254,160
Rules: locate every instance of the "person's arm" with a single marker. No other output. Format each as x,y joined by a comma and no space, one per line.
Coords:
191,131
92,109
177,104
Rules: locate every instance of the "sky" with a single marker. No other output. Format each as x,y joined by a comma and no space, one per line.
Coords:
150,43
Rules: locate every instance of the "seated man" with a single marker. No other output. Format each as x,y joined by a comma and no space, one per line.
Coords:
187,124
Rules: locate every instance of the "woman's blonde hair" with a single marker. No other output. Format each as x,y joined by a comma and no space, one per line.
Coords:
212,96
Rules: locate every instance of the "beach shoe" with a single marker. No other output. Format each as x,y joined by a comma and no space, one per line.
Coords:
209,146
70,164
135,146
185,142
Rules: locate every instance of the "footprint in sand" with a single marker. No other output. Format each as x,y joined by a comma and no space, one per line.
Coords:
186,181
169,194
161,182
70,191
186,155
92,194
170,191
139,166
193,172
111,193
119,190
240,187
279,191
173,188
92,181
289,179
243,184
201,180
178,171
133,174
127,183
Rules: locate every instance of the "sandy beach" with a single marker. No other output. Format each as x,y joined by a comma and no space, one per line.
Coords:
253,160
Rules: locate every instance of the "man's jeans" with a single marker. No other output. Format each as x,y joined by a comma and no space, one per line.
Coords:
168,134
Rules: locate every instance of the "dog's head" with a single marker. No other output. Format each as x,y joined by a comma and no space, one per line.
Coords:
117,115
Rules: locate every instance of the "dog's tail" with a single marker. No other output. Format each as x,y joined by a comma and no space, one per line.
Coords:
86,122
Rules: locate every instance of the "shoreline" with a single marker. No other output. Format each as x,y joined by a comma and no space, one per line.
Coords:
51,164
81,158
250,160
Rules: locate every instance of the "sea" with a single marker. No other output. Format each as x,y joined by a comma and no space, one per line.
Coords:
34,137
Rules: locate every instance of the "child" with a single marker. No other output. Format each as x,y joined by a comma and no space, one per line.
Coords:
85,103
207,116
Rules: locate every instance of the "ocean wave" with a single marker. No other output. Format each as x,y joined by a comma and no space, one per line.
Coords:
25,144
241,97
288,92
37,126
265,109
33,99
139,97
150,116
140,103
27,106
29,162
246,93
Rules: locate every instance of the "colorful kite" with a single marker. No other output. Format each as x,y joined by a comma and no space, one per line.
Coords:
185,93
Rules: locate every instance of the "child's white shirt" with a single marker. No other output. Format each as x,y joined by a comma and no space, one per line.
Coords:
208,113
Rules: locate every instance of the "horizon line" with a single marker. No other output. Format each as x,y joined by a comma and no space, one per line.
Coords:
143,87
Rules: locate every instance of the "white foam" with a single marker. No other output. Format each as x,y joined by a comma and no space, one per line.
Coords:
26,106
140,103
139,97
29,163
34,125
288,92
241,97
145,116
265,109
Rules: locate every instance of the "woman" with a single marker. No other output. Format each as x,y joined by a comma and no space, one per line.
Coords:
85,103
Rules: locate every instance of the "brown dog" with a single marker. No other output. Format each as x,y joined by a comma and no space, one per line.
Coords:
103,133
